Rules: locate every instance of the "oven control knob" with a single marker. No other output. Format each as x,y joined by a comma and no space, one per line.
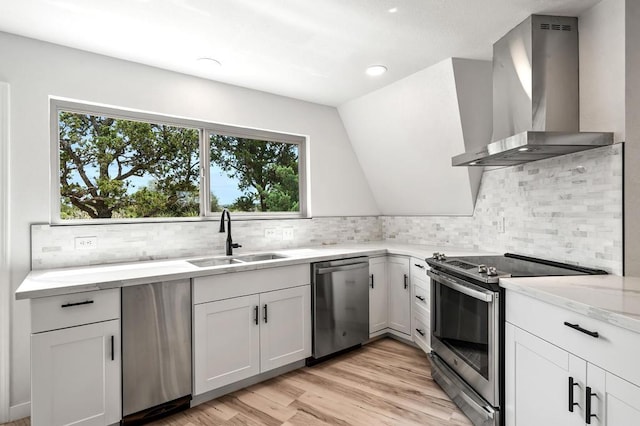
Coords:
492,271
439,256
482,269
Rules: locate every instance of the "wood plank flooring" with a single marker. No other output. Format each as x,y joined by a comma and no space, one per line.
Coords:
384,383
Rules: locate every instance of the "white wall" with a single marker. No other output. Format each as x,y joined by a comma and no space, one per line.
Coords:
36,70
602,82
632,147
406,133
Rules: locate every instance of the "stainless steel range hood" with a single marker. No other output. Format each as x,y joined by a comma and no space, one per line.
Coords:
536,104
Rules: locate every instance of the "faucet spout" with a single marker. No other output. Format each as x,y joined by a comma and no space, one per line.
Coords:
229,244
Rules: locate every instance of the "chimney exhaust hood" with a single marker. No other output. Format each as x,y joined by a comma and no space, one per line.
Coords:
536,104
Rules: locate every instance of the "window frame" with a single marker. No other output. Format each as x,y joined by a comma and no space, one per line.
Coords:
205,128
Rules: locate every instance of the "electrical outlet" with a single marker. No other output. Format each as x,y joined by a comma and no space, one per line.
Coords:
287,234
86,243
501,224
270,233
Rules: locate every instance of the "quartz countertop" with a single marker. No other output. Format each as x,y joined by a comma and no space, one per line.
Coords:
51,282
610,298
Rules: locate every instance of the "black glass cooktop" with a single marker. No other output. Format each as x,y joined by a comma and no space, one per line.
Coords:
508,265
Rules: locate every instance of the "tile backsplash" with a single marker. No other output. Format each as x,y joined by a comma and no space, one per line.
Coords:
54,246
566,208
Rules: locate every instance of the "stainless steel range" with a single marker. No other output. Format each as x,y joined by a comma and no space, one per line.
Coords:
467,326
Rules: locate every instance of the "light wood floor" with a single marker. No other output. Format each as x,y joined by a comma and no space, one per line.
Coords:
383,383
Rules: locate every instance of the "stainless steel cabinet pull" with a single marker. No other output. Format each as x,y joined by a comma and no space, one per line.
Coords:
265,313
371,276
587,407
571,385
582,330
68,305
406,281
419,265
113,350
255,309
420,332
422,299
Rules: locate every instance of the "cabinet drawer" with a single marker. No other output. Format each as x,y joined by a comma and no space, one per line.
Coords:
68,310
419,269
421,330
236,284
420,296
615,349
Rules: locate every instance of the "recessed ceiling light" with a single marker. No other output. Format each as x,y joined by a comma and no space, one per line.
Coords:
376,70
210,62
393,10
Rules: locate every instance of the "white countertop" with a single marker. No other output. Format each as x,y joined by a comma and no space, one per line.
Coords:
51,282
609,298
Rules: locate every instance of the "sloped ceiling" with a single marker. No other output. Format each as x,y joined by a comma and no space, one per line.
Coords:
406,133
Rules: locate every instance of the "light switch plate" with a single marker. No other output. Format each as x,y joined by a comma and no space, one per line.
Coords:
86,243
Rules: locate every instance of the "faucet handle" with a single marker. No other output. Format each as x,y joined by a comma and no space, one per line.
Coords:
235,245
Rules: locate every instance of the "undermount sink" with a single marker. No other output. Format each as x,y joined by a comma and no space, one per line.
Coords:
208,262
258,257
213,261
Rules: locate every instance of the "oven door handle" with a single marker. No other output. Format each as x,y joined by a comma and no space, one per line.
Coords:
476,294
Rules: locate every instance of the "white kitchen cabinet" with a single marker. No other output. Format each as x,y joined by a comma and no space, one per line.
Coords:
241,337
226,338
420,306
543,353
378,294
614,401
75,375
76,359
285,330
399,291
247,323
537,381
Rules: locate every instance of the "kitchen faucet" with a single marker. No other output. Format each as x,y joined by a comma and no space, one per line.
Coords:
229,244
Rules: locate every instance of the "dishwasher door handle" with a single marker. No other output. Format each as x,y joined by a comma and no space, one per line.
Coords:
342,268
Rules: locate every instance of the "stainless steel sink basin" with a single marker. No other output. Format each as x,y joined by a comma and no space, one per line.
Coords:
213,261
259,257
208,262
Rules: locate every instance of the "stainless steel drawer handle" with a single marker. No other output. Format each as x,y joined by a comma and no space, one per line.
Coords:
420,332
419,265
421,298
582,330
68,305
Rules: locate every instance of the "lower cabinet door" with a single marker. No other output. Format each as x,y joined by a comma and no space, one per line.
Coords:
538,390
285,332
613,401
399,289
76,375
378,294
226,342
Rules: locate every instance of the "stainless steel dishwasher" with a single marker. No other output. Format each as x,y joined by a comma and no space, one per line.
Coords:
156,350
340,304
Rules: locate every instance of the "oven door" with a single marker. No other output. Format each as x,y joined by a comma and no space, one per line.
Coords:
465,332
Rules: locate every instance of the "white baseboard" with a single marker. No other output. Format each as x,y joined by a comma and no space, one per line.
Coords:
20,411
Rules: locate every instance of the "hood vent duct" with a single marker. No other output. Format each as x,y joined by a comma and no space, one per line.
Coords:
536,102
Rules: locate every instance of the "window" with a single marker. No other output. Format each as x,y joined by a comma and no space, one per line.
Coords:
253,175
125,165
